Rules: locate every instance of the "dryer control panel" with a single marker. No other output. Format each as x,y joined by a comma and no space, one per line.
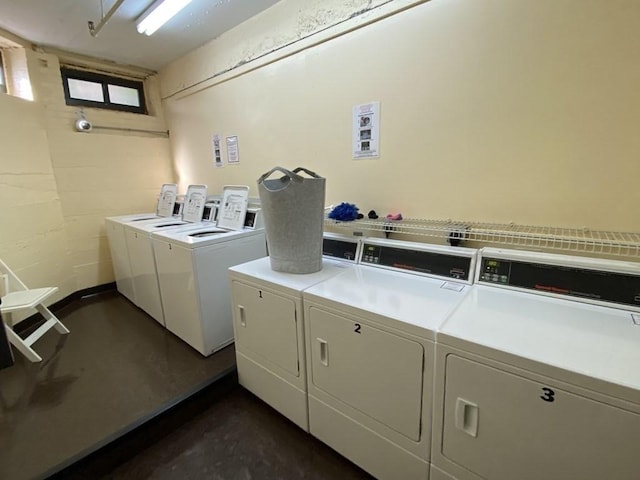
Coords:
342,249
566,280
442,262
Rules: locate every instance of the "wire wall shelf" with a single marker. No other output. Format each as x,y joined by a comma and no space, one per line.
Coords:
584,241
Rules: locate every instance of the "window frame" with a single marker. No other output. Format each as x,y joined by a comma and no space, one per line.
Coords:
3,75
104,80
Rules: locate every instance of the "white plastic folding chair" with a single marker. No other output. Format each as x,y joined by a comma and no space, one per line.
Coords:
17,297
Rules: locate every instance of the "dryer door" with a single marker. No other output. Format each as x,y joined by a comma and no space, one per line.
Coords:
372,370
504,426
266,324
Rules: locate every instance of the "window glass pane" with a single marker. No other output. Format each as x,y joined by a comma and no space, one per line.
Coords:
124,95
97,90
83,90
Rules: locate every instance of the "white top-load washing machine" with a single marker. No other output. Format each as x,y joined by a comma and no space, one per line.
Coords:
140,250
537,372
193,263
118,244
370,334
268,326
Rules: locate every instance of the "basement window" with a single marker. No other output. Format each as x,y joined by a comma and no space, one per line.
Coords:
88,89
3,78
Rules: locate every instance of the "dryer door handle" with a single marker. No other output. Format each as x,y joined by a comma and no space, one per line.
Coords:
243,318
324,352
466,417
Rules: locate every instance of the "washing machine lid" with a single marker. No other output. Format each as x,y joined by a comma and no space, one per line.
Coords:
202,235
233,208
149,226
166,199
413,300
194,203
134,217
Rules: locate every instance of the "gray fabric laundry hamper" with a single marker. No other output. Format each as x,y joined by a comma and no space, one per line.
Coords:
293,213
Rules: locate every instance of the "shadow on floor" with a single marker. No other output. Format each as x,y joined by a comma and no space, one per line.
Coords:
121,397
224,432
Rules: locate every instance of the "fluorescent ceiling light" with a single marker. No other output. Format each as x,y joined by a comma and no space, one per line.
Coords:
158,14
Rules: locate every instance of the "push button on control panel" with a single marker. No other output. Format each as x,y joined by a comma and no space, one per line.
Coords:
495,271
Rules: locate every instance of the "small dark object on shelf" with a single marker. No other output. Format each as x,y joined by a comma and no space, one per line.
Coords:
455,237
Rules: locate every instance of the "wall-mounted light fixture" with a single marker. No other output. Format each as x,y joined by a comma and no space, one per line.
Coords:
158,14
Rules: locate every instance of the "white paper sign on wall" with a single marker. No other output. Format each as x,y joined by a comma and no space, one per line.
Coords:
366,130
233,155
217,154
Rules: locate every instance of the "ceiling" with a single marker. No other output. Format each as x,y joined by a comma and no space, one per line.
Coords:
62,24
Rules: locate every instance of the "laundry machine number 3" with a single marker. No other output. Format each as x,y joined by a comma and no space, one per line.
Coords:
548,395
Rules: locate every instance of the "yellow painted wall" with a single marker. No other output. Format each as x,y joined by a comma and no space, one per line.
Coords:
102,173
491,110
32,240
58,185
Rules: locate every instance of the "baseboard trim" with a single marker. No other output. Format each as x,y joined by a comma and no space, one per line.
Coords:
34,321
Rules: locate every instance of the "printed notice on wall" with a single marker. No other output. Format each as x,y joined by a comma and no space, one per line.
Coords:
366,130
217,154
233,155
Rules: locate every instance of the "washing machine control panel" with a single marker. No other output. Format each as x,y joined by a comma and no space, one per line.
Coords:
421,261
565,280
253,219
210,212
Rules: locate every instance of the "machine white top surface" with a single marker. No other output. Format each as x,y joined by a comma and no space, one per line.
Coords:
261,269
134,217
193,237
412,299
157,225
596,341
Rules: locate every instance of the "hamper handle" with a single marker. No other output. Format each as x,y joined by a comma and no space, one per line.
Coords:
307,171
287,173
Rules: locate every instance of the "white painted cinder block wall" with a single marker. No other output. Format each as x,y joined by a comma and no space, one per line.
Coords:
58,185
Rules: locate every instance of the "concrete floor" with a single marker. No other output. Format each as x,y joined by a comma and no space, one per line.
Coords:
121,397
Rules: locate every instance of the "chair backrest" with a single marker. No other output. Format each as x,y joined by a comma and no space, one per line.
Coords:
9,281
